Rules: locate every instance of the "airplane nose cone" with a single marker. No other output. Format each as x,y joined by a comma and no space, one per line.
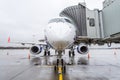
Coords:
61,31
60,35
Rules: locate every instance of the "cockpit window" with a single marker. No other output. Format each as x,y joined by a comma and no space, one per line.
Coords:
67,20
59,20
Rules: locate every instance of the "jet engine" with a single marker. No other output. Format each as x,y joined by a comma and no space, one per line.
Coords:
82,49
36,49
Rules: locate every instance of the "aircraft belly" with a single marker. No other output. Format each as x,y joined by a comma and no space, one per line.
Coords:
60,45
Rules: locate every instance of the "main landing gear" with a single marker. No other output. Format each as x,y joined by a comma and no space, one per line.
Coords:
71,53
47,53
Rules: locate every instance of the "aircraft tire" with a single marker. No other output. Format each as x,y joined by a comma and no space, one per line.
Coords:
62,62
69,54
64,69
57,62
48,53
45,53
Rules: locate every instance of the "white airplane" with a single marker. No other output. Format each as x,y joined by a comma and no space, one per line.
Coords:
60,34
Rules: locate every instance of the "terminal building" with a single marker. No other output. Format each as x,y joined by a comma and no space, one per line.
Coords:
96,23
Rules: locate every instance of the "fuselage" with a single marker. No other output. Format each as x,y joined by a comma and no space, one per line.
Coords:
60,33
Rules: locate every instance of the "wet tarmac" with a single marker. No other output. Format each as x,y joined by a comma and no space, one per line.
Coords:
101,65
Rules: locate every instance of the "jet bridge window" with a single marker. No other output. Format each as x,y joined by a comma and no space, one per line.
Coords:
92,22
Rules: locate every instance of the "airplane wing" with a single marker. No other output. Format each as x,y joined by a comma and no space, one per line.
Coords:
41,42
30,43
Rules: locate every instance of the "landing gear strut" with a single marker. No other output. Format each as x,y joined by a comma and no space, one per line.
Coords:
71,53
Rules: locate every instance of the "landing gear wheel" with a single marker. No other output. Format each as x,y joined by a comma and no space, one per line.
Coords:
45,53
48,53
64,69
62,62
73,53
69,54
109,44
57,62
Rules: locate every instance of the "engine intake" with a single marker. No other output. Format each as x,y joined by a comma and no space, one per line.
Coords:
82,49
36,49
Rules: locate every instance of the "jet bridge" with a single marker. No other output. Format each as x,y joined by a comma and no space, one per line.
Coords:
87,21
77,13
97,26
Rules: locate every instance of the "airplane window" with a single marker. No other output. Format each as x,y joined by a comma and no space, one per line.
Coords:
92,22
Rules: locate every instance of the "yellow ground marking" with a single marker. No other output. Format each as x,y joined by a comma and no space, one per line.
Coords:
60,73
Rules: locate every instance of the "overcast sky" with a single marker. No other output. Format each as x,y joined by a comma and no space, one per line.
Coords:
22,19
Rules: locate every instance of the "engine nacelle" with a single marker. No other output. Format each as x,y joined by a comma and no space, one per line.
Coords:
82,49
36,49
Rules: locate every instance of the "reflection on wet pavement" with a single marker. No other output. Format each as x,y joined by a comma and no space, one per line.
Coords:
105,65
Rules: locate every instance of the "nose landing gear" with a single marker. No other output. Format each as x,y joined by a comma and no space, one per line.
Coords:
60,66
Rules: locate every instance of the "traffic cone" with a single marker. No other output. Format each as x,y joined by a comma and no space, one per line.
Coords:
88,56
115,52
7,53
28,56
